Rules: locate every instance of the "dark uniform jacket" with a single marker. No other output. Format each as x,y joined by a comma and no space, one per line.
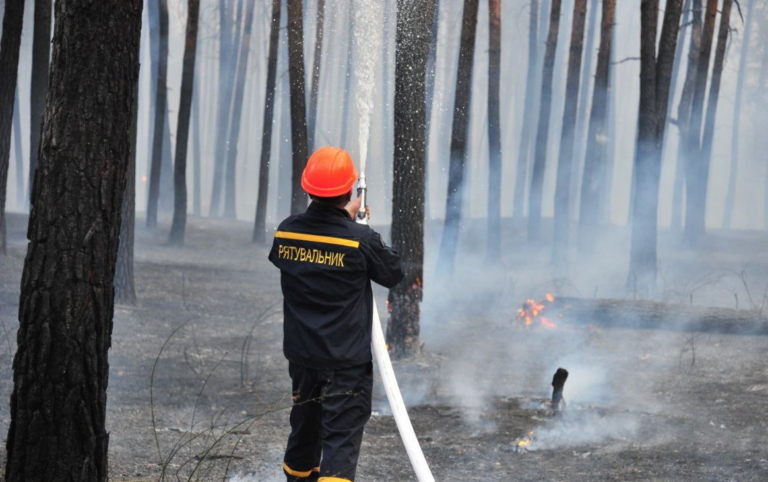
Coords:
326,263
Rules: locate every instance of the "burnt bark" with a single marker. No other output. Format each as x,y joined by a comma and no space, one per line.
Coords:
411,52
655,79
709,122
259,227
298,104
524,152
493,248
736,126
161,101
41,53
596,158
125,286
58,406
696,168
461,112
10,42
317,64
684,115
179,224
230,210
565,159
542,133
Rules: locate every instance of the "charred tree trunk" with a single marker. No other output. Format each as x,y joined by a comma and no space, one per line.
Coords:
161,100
565,159
41,54
317,64
348,106
58,406
493,249
580,135
524,153
594,179
153,19
227,54
461,111
542,133
412,50
179,225
13,19
684,116
230,210
734,171
696,166
125,287
18,154
259,227
298,104
655,79
197,208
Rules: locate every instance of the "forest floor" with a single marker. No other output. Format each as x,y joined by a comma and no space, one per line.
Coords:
650,405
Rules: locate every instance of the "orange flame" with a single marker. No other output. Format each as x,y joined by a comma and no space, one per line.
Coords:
532,311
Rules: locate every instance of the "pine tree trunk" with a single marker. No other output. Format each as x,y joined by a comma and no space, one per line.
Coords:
230,208
13,18
58,406
582,116
317,64
41,53
125,287
655,80
460,131
695,195
161,102
596,158
565,158
542,133
18,154
411,52
493,248
153,19
197,207
260,226
524,152
298,104
227,57
684,116
348,105
736,129
179,224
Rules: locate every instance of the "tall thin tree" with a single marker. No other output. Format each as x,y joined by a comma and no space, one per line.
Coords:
161,100
179,224
18,154
527,122
317,64
736,125
542,133
59,403
493,248
298,103
565,159
411,52
596,158
461,112
259,227
41,54
13,20
230,198
655,79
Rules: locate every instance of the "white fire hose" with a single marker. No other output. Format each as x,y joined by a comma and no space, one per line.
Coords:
387,373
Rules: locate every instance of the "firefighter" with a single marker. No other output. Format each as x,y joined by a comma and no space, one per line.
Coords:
327,263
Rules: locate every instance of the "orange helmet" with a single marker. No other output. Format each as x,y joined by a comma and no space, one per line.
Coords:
330,172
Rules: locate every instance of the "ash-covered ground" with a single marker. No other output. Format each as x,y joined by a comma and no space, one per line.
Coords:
642,404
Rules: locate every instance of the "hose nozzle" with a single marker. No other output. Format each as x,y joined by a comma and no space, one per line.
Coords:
362,193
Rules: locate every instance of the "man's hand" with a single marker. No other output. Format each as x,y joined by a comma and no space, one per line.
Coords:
354,207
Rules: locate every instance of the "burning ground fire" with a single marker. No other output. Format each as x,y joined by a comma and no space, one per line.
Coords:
523,443
531,312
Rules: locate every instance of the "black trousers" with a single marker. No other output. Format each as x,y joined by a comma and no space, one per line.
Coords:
330,410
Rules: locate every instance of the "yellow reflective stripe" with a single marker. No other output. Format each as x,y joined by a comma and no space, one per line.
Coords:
296,473
317,239
316,469
333,479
